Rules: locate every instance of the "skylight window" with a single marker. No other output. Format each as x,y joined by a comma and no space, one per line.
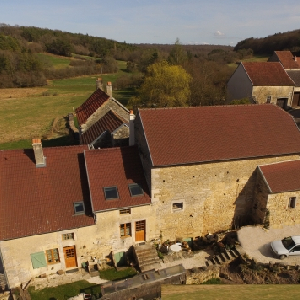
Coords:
111,193
135,190
78,208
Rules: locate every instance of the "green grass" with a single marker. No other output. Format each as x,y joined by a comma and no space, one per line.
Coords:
256,58
58,62
113,274
65,291
230,291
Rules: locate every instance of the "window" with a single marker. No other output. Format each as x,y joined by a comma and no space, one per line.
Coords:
177,206
269,99
78,208
292,202
68,236
52,256
125,211
111,193
135,190
125,229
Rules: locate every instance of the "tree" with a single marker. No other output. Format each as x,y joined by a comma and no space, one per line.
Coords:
165,85
177,54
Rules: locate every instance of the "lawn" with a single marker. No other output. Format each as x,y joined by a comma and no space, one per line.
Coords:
65,291
230,291
113,274
29,113
257,58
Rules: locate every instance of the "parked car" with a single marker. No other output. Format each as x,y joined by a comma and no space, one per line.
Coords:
287,247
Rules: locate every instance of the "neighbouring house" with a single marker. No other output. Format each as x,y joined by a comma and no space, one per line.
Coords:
109,131
261,82
201,163
57,211
286,58
277,194
97,105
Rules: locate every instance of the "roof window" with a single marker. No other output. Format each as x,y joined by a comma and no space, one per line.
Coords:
135,190
111,193
78,208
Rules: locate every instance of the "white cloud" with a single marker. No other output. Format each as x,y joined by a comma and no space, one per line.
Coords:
219,33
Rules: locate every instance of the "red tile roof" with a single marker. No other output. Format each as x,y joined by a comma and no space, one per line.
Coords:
40,200
212,133
115,167
109,122
267,74
283,176
287,60
96,100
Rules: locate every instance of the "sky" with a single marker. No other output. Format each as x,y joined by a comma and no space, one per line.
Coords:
218,22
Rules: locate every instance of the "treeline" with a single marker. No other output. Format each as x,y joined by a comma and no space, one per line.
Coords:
276,42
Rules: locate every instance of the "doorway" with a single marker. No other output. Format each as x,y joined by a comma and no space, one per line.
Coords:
70,257
140,229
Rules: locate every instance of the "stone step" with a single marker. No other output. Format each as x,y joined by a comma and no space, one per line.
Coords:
222,258
150,266
145,252
149,261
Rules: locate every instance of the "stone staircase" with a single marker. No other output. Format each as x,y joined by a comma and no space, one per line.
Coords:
2,281
224,257
146,257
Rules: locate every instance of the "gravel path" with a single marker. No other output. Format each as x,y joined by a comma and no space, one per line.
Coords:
256,242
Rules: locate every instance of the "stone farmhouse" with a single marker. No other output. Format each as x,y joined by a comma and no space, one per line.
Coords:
192,171
104,121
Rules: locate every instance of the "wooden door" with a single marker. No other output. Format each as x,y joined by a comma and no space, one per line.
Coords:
140,229
70,257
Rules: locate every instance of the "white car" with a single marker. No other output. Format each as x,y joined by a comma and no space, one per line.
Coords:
286,247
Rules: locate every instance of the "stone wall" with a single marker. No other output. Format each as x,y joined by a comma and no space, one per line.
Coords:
200,275
214,196
262,92
120,137
96,241
110,104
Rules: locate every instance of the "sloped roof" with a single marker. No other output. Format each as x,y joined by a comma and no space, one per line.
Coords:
295,76
96,100
109,122
283,176
212,133
115,167
287,60
40,200
267,74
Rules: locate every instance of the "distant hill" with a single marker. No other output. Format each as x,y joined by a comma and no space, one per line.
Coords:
276,42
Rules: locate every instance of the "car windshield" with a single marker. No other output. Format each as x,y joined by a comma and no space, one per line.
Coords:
288,243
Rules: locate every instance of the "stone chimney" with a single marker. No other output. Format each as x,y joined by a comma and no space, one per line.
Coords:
40,159
99,84
131,128
109,89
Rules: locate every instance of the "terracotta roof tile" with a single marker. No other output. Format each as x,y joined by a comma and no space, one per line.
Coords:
287,60
109,122
115,167
283,176
211,133
295,76
40,200
267,74
96,100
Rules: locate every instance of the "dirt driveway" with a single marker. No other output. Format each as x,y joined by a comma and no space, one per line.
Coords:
256,242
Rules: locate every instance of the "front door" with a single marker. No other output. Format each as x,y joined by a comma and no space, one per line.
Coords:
70,257
140,229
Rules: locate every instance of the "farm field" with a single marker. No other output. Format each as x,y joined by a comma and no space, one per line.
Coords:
27,113
230,291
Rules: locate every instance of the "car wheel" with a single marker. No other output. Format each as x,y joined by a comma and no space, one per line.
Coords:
282,257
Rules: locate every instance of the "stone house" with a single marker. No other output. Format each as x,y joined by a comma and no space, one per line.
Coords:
201,163
277,192
58,208
261,82
97,106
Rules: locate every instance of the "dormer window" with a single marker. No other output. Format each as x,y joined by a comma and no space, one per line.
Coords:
79,208
135,190
111,193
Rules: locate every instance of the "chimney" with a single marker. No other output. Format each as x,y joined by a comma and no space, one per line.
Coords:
131,128
40,159
109,89
99,84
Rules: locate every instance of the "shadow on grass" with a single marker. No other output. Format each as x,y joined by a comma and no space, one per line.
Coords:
60,141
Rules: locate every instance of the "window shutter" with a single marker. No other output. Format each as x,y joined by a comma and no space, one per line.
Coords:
38,260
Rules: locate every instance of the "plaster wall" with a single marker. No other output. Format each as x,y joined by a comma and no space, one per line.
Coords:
215,196
239,85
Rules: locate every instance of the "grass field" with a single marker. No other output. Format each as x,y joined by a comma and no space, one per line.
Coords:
258,58
29,113
230,291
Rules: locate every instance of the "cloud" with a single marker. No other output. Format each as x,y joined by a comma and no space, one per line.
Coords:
219,34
